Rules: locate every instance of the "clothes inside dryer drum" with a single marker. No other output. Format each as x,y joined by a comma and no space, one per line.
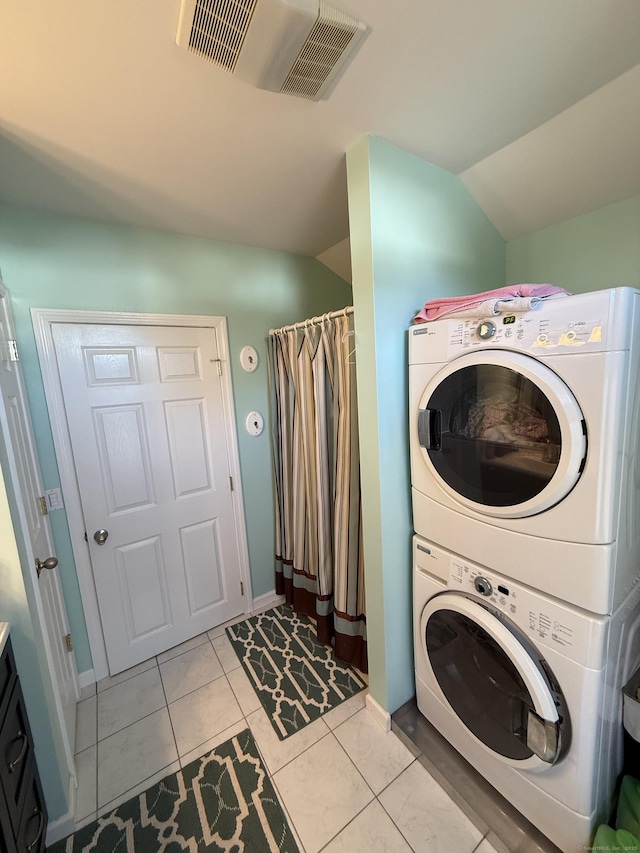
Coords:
480,682
493,435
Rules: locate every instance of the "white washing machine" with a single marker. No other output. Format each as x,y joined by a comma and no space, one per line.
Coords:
525,443
526,688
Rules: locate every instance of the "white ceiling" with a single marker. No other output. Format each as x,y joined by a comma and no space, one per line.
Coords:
535,103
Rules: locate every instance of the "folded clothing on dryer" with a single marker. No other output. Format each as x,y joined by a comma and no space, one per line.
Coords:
513,297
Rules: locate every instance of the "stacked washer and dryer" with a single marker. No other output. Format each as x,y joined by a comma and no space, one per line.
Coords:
525,460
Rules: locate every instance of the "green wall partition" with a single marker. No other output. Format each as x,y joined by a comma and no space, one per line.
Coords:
416,234
51,261
590,252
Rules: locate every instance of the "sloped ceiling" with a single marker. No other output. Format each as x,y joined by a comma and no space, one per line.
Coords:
535,103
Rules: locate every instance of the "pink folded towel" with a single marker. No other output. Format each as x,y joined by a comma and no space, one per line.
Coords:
436,308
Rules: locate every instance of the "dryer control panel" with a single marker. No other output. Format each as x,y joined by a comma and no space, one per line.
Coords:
589,322
531,331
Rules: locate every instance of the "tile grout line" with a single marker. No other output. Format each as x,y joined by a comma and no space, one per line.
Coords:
391,816
245,722
179,759
307,748
124,680
375,796
132,723
210,640
105,807
155,711
108,807
166,704
274,781
96,811
279,795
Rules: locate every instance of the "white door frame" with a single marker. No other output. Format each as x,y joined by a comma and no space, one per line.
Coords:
53,699
42,322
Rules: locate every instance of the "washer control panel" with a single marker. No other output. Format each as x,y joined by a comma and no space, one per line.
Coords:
482,585
545,621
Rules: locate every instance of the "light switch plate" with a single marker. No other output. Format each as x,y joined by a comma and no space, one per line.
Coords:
54,499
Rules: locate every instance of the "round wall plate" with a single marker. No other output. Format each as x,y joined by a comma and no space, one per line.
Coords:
248,359
254,423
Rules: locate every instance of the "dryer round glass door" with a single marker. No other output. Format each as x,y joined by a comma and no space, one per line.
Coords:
493,680
502,434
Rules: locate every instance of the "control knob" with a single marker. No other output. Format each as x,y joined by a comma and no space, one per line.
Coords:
483,585
486,330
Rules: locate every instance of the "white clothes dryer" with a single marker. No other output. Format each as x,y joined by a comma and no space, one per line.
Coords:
526,688
525,443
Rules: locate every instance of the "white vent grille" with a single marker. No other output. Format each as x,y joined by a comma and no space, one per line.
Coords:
297,47
323,50
218,30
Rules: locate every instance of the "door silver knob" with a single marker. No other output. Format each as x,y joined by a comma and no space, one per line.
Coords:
101,536
49,563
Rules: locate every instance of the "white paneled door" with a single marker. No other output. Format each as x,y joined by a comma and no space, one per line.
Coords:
50,615
146,418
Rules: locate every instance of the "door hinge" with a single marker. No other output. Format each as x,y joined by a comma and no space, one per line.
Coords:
241,588
43,505
230,484
69,642
218,363
14,355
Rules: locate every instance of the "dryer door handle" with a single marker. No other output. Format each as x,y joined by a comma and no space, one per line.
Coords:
430,428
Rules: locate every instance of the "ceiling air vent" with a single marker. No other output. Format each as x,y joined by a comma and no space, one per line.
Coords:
215,29
333,37
293,46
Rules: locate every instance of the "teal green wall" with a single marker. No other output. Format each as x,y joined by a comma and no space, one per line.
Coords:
50,261
591,252
416,233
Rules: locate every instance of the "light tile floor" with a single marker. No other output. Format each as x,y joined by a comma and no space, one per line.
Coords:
369,791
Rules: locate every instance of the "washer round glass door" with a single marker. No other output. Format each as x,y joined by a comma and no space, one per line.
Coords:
502,434
492,681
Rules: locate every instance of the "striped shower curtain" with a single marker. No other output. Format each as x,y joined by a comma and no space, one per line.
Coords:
319,561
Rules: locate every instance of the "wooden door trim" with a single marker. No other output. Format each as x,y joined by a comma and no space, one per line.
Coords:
43,320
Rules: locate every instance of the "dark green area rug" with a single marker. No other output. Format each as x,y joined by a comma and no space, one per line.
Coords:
223,801
297,678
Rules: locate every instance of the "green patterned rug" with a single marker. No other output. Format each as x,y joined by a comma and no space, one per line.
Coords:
297,678
223,801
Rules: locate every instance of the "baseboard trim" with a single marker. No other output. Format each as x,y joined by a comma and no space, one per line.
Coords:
65,825
382,718
269,599
86,678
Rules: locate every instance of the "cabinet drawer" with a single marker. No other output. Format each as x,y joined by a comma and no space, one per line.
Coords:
34,819
16,757
7,841
7,679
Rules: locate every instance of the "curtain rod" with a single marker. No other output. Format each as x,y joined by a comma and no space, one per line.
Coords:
343,312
